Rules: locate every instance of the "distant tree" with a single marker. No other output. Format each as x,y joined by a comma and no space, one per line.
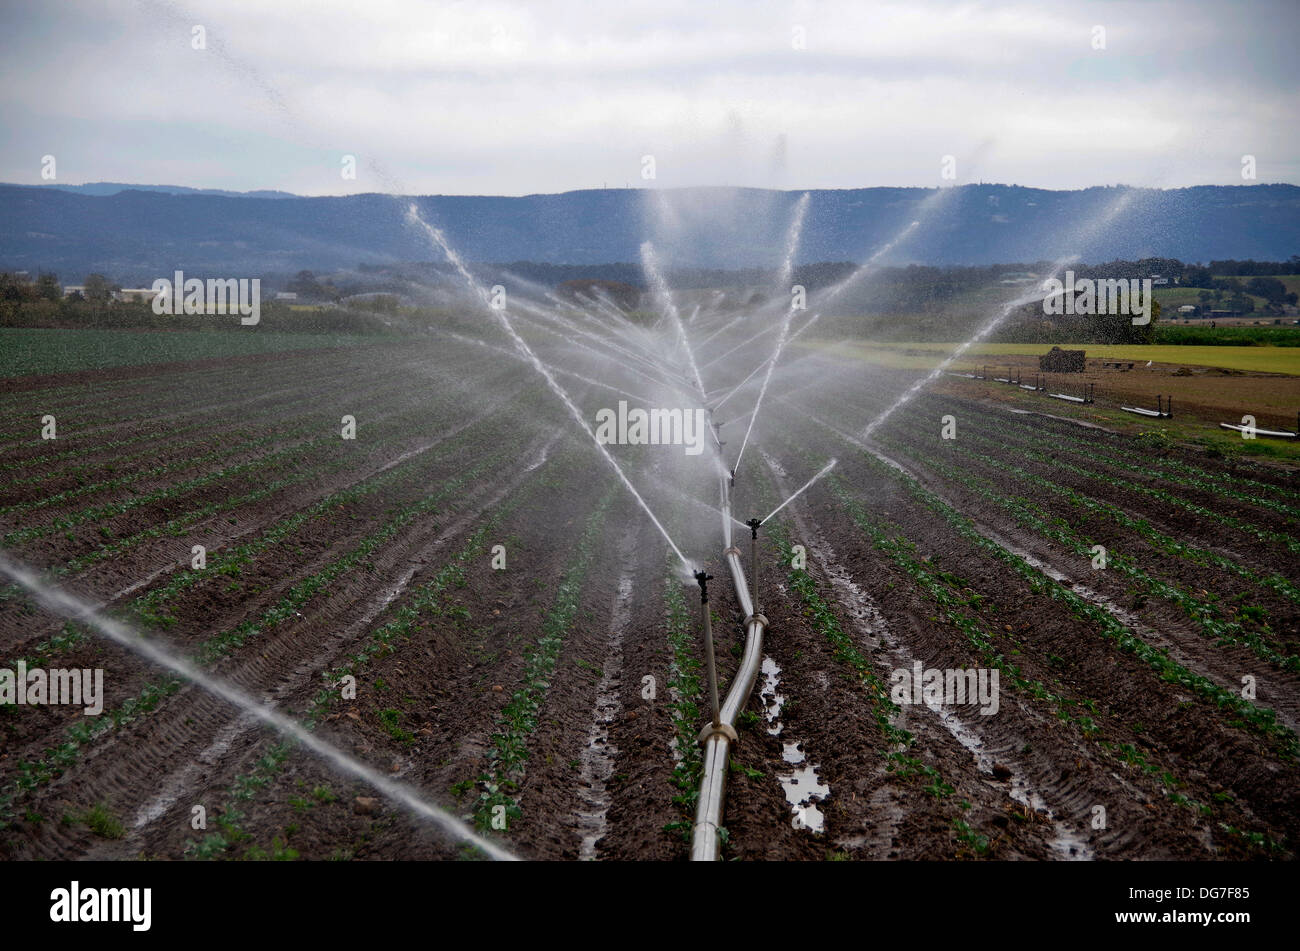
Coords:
1269,288
13,288
304,284
98,288
48,287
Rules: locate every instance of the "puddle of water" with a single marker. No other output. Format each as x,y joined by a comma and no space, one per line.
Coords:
1066,843
871,623
801,785
597,760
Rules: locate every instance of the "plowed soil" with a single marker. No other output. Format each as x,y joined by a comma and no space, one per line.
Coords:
1134,710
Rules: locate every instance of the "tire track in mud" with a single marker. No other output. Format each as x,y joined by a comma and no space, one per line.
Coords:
476,651
1235,760
1166,626
1223,664
993,749
274,671
640,790
91,582
188,778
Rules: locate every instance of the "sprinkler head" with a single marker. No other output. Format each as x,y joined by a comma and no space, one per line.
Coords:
753,524
703,579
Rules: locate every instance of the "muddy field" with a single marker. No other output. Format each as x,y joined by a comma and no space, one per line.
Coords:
1146,709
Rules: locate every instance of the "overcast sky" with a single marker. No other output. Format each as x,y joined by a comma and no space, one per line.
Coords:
518,98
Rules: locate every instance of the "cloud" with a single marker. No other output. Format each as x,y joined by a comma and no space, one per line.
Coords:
513,98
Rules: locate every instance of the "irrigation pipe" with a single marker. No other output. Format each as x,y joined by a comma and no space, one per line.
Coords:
706,843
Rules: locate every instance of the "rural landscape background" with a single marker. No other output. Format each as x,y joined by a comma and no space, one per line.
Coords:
301,439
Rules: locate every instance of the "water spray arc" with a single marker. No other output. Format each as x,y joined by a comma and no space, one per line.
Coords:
786,272
988,328
801,490
653,274
72,608
522,345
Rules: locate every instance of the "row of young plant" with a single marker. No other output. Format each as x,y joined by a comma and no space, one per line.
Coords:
119,389
1018,431
150,607
391,432
295,455
299,459
685,702
1203,557
288,606
182,462
1261,721
299,470
1134,457
144,431
232,562
423,606
103,512
1289,541
1248,716
508,754
279,414
961,607
142,400
31,774
1031,515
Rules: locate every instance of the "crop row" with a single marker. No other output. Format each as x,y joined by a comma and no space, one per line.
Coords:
961,606
1290,542
1032,516
55,760
278,413
424,604
508,756
146,399
1171,470
685,696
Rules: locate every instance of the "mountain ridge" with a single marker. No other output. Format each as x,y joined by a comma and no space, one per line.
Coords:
134,233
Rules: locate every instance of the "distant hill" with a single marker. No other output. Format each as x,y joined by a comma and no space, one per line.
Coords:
112,188
137,234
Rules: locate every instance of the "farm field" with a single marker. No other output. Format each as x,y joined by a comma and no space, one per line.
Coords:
37,351
558,680
918,356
